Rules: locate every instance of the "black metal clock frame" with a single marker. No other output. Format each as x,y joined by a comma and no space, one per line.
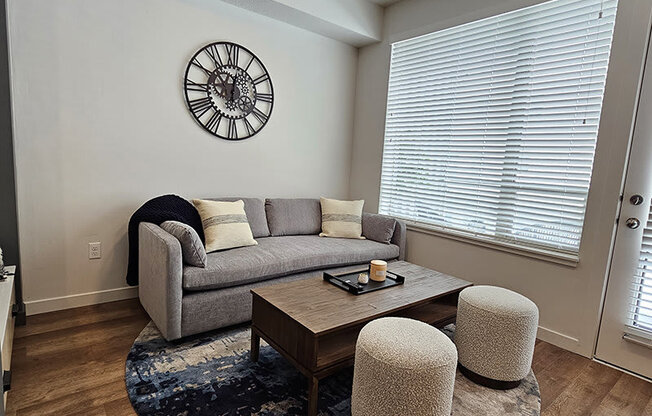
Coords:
228,91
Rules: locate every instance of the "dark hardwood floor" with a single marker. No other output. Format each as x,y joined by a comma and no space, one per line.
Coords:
72,363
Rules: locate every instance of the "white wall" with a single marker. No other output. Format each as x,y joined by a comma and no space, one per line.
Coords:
101,126
569,298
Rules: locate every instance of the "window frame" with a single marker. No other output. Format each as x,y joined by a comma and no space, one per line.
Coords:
543,252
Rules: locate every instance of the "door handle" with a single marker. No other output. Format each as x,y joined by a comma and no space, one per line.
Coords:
632,223
636,199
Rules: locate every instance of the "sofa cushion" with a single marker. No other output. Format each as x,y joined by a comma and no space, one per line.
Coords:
255,210
293,216
279,256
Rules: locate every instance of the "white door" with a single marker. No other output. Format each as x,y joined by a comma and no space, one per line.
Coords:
625,338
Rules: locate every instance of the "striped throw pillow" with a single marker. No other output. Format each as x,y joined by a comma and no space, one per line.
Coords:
341,218
225,224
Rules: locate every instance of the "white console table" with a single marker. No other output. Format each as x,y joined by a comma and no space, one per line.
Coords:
7,299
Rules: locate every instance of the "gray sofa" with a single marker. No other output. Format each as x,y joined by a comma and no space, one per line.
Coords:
184,300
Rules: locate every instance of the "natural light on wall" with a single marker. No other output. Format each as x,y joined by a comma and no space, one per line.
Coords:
491,126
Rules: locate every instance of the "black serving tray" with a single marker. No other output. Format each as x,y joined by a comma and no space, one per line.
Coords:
349,281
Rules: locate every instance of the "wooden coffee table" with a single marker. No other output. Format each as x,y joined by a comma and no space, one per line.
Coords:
315,325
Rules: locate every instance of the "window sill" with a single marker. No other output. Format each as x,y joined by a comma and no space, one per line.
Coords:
551,256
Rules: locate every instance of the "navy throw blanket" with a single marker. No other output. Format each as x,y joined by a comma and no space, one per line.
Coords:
157,211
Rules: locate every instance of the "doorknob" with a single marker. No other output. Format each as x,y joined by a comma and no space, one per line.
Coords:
632,223
636,199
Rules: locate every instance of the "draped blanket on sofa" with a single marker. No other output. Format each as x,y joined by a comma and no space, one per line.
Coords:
158,210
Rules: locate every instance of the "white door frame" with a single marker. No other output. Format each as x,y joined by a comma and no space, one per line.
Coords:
637,179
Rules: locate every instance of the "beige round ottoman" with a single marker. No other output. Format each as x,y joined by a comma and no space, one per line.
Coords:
403,367
495,334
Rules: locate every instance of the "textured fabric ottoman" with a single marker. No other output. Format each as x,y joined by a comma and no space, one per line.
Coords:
403,367
495,334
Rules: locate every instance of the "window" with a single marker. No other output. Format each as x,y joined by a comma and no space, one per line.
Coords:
491,126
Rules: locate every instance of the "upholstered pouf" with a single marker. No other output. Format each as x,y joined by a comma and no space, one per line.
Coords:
403,367
495,334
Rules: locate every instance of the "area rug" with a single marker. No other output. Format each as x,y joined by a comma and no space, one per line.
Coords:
211,374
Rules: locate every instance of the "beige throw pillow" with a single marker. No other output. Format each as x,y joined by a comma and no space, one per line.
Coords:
341,218
225,224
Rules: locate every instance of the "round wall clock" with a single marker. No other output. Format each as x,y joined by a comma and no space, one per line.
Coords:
228,91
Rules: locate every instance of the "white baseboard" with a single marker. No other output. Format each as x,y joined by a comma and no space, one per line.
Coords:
561,340
35,307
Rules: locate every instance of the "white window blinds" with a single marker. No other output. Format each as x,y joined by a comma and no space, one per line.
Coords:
640,300
491,126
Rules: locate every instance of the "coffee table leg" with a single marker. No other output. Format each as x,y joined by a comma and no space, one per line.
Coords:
313,395
255,345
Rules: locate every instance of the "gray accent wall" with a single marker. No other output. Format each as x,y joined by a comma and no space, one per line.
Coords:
8,212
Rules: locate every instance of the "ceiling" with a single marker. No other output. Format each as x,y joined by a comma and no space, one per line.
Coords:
356,22
384,3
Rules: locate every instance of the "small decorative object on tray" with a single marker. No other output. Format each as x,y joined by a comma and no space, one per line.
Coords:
350,281
363,278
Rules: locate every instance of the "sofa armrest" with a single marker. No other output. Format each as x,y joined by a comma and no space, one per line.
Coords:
400,238
160,274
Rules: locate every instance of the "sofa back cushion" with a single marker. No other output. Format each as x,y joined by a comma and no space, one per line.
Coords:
255,210
296,216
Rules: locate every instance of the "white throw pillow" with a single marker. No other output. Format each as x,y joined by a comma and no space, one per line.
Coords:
341,218
225,224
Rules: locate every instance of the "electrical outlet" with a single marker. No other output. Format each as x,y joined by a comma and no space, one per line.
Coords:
95,250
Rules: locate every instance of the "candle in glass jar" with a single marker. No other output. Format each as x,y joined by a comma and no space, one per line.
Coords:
378,270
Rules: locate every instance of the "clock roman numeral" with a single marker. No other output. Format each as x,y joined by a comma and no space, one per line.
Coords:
260,116
214,54
233,129
264,97
249,127
233,52
198,64
195,86
200,106
261,78
251,61
213,123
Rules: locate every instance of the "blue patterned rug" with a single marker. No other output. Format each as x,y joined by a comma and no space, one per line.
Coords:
211,374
